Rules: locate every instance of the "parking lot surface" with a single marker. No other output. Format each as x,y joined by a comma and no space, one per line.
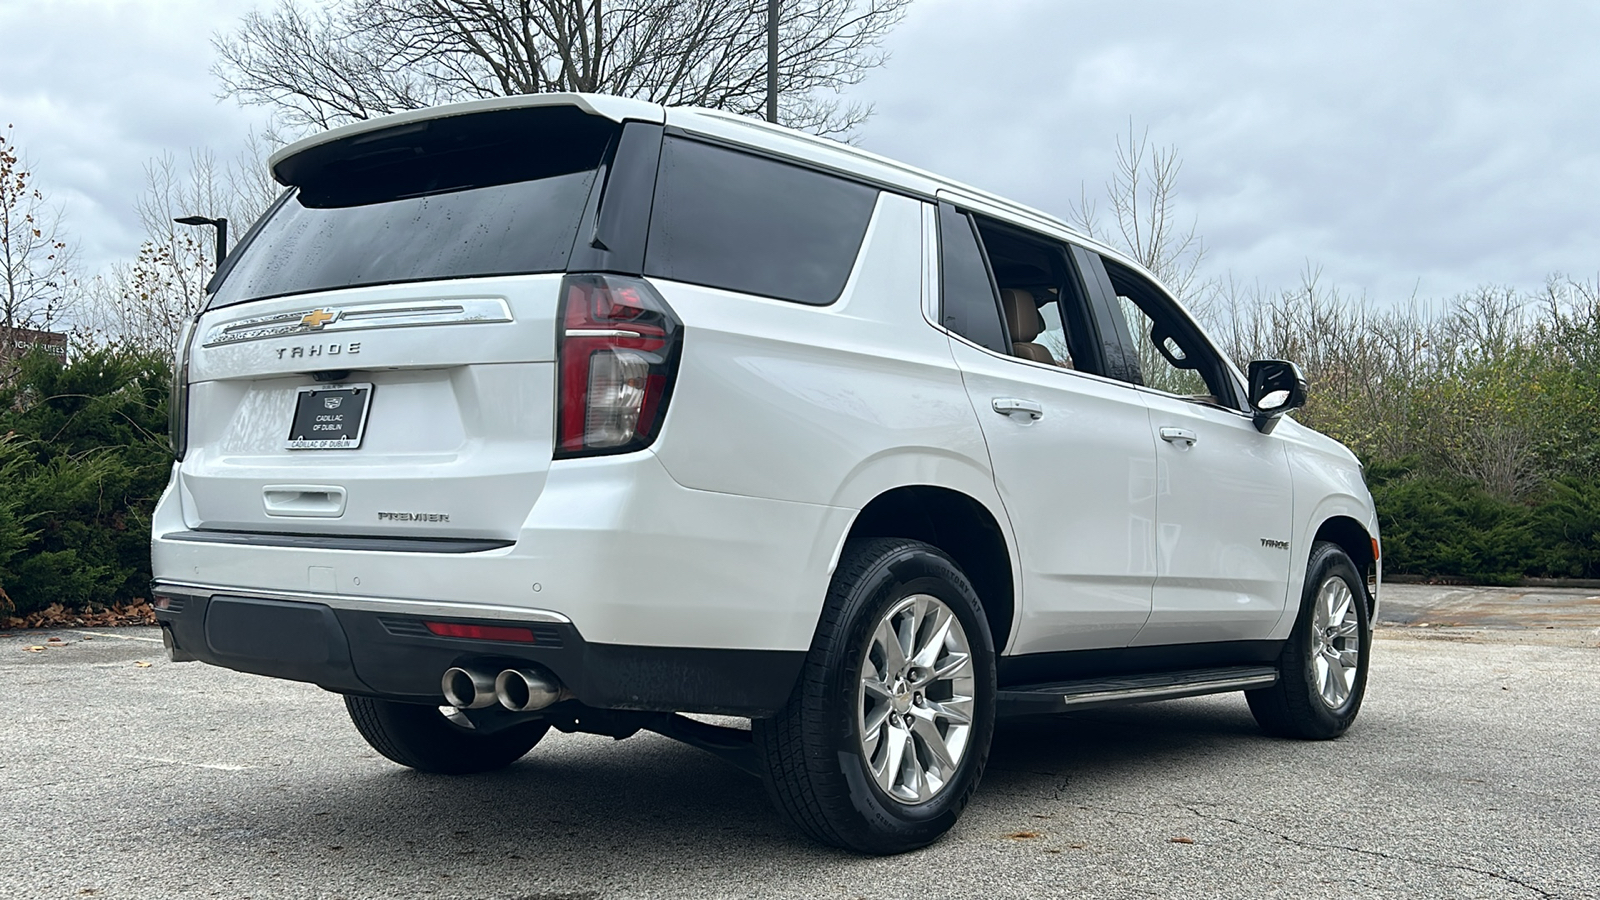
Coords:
1474,771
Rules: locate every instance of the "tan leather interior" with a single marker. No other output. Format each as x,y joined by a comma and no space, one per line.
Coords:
1025,323
1022,314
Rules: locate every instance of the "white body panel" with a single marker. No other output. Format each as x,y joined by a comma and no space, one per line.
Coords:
1079,485
829,404
458,423
1327,485
614,545
1217,499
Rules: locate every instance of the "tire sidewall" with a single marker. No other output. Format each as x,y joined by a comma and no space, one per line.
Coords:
912,571
1328,561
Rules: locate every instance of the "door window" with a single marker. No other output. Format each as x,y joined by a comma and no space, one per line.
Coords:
1041,297
1173,356
967,295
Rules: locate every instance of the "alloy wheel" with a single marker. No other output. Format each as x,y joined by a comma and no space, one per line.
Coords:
1335,642
916,699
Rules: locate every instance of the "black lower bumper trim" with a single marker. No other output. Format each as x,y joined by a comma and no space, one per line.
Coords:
360,652
382,544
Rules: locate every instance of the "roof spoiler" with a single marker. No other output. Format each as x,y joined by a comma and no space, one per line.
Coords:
618,109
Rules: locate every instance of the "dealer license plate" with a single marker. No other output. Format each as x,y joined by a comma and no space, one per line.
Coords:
330,418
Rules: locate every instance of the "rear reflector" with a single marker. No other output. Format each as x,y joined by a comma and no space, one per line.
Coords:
482,632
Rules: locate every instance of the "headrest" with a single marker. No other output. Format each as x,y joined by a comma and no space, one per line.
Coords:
1022,314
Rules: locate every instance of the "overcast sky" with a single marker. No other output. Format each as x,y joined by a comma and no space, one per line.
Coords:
1427,146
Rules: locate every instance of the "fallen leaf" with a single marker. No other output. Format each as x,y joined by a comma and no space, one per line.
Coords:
1078,846
34,649
58,616
1181,840
142,664
1022,835
52,640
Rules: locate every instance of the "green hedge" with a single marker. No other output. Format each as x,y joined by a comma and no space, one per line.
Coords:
83,457
1446,526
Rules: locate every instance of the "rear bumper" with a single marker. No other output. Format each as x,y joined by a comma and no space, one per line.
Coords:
383,648
625,553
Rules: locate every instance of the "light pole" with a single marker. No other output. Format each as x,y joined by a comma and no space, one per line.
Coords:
219,223
772,60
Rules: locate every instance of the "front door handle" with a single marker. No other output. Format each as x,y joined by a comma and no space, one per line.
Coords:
1179,436
1007,406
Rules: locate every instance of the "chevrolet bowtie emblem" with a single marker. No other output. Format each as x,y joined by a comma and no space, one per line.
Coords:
317,318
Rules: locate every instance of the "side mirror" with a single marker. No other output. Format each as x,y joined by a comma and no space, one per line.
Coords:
1276,387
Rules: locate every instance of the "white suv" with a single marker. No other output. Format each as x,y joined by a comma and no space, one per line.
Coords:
575,411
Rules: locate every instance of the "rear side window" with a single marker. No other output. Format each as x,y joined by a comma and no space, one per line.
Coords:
968,305
496,193
740,222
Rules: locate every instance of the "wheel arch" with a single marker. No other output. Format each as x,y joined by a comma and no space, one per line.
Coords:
1353,538
961,526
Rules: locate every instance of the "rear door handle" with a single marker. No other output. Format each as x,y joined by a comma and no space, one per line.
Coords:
1179,436
1007,406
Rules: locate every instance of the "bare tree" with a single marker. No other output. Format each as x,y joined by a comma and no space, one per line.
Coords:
356,59
36,260
146,302
1142,193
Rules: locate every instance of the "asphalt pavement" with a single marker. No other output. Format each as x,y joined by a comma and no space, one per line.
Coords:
1472,772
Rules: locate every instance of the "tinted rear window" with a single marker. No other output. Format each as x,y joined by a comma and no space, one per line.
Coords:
490,194
970,307
745,223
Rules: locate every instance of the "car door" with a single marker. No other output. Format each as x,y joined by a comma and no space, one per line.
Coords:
1224,499
1073,459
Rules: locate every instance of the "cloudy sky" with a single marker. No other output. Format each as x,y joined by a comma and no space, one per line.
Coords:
1419,147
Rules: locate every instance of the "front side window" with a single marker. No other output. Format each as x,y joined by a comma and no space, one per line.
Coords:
732,220
1173,356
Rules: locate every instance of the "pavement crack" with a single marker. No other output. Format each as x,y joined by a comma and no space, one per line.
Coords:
1394,857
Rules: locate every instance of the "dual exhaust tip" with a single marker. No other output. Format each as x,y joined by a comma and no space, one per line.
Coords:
519,690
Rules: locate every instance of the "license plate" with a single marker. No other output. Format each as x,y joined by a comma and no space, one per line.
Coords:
330,418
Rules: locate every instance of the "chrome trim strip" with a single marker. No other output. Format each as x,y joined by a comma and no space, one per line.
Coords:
930,264
364,317
601,332
1170,691
378,604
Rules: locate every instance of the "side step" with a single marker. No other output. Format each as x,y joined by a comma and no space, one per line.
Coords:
1070,696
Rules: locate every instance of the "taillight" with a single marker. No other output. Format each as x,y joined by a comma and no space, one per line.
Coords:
178,398
617,354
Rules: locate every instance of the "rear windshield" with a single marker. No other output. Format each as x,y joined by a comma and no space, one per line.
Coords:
497,193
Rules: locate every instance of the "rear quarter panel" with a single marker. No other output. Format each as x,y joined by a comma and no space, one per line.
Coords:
830,405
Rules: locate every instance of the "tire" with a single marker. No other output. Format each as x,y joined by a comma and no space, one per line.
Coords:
820,750
421,738
1307,702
